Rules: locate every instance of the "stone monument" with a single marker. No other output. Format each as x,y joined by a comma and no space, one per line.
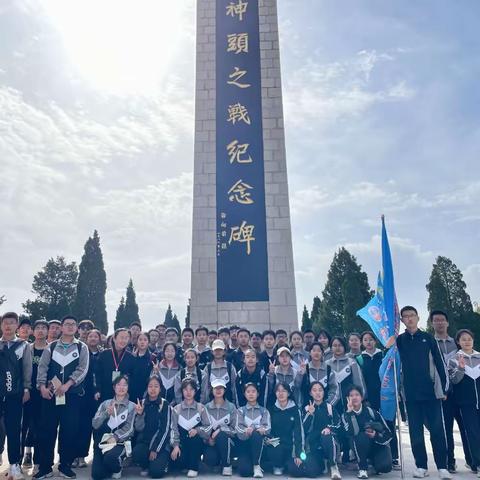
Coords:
242,261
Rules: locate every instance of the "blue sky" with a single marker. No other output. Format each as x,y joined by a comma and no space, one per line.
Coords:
96,131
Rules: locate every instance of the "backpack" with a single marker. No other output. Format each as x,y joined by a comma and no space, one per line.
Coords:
11,371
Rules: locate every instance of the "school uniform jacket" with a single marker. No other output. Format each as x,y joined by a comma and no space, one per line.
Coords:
121,423
254,416
167,376
324,416
370,364
299,355
24,365
105,367
154,424
326,376
466,381
225,371
185,417
259,378
204,357
291,377
288,427
222,417
195,373
356,422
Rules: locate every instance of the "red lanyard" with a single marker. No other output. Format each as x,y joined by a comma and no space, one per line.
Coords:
117,364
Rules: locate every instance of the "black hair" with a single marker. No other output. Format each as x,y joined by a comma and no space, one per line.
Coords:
119,379
24,321
296,332
355,388
256,334
68,317
54,322
147,334
153,330
269,332
355,334
309,330
188,329
223,330
86,322
243,329
285,386
437,312
135,324
190,350
316,382
280,331
171,329
97,331
156,378
317,344
201,328
406,308
39,323
341,340
461,332
325,334
233,327
168,344
212,332
119,330
250,384
189,380
367,332
10,315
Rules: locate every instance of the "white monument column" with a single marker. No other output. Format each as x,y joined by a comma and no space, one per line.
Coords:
278,308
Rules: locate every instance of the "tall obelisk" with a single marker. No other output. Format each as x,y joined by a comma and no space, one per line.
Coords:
242,259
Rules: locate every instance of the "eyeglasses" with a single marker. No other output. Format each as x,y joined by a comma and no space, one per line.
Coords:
68,324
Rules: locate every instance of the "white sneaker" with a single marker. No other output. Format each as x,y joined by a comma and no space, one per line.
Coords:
257,471
15,472
227,471
117,475
144,473
420,473
335,473
444,474
192,473
277,471
362,474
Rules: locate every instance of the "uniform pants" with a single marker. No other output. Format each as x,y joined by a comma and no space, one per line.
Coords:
12,409
451,412
32,413
391,424
322,448
249,454
471,420
379,455
281,457
156,468
220,453
191,452
65,419
427,413
88,408
2,433
104,465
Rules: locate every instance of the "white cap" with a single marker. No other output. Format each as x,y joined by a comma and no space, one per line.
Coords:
219,382
218,344
283,349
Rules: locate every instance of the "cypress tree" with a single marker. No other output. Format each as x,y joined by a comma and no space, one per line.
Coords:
187,316
169,317
131,307
120,319
92,285
306,320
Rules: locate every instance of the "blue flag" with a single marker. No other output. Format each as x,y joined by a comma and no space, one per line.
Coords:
383,316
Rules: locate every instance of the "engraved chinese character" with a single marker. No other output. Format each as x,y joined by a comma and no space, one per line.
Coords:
239,192
242,234
236,150
239,9
237,43
236,75
238,113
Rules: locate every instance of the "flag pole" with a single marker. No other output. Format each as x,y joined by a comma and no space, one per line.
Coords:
400,443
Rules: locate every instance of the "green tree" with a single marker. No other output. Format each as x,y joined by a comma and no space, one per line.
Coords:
92,285
131,307
120,318
168,317
315,313
55,289
346,291
447,292
176,323
2,299
306,320
187,316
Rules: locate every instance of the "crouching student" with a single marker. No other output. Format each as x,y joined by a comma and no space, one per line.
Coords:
321,423
369,434
223,418
113,427
285,449
152,421
190,426
253,424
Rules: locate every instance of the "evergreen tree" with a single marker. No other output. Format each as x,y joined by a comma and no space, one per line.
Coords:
306,320
346,291
3,300
315,313
447,292
187,316
92,285
120,319
176,323
55,287
131,307
169,317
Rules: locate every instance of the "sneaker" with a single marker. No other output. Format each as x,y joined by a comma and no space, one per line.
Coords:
66,472
277,471
257,471
334,473
117,475
396,464
43,473
75,463
192,474
362,474
444,474
81,463
452,468
420,473
227,471
27,460
144,473
36,468
15,472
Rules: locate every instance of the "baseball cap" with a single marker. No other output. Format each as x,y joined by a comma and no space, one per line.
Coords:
283,349
219,382
218,344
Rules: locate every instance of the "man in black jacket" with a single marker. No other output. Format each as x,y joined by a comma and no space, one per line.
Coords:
425,383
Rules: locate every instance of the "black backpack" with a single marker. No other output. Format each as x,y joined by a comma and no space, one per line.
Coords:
11,371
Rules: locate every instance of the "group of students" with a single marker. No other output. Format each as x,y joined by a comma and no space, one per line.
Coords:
295,404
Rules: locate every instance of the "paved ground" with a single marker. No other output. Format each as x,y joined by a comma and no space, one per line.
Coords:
463,473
